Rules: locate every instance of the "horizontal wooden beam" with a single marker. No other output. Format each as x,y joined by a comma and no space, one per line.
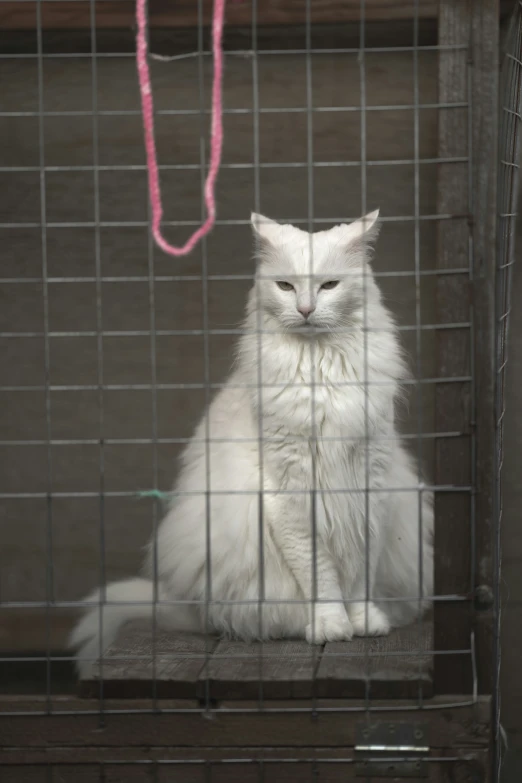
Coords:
239,724
75,14
183,14
233,765
336,764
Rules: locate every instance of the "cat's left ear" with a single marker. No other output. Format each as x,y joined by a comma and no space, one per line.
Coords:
265,229
365,230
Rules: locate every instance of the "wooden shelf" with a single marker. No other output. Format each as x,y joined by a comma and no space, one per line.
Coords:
190,666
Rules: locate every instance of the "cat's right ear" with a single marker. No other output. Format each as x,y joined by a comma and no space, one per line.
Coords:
266,231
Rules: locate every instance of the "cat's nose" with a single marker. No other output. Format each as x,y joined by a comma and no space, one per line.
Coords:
306,310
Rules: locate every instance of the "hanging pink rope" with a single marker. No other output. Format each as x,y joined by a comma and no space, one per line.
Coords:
216,137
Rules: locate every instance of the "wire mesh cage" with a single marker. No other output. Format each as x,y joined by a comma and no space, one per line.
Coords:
114,352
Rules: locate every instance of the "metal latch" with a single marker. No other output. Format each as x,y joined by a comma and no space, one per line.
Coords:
391,749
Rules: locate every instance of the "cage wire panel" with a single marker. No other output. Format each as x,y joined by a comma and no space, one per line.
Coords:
114,350
50,492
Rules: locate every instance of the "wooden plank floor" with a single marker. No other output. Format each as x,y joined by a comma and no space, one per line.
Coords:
192,666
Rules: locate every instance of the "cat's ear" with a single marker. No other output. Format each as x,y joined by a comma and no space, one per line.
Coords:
266,230
361,232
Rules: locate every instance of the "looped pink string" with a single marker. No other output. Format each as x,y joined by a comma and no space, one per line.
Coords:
216,136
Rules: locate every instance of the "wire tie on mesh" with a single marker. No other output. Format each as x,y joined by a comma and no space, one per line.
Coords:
216,136
155,493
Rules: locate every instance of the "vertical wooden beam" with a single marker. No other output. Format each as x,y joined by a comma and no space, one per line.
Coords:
485,86
467,191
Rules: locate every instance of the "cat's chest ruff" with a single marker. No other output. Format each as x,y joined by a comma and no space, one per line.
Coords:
312,391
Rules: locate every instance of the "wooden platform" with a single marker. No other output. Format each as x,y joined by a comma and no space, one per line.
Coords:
190,666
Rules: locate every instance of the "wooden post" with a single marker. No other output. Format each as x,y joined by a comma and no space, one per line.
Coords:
485,85
467,189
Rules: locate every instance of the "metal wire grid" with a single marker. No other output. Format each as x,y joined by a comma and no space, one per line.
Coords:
510,139
153,280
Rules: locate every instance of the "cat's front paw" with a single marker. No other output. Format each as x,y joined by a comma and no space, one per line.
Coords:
330,625
373,623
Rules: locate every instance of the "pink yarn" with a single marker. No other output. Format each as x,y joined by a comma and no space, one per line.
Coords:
216,138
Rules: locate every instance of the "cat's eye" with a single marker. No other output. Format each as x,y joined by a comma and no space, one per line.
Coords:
330,284
284,286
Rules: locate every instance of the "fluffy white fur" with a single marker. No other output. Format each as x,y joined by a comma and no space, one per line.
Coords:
302,411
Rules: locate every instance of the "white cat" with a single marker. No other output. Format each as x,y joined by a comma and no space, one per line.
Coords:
304,457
